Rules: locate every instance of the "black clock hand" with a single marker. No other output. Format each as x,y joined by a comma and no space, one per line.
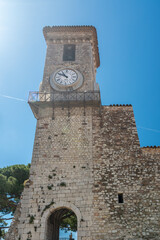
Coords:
62,74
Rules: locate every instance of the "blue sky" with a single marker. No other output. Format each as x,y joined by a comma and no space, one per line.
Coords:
129,37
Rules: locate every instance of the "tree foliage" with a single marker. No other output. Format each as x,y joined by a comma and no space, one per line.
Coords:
69,222
11,187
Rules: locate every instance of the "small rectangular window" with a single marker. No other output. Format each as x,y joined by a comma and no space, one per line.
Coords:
69,52
120,197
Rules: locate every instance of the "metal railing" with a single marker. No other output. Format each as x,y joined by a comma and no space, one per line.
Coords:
63,96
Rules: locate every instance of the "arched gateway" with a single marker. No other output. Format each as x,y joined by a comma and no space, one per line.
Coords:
56,220
53,218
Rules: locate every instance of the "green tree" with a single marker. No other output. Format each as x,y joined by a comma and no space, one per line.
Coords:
69,222
11,187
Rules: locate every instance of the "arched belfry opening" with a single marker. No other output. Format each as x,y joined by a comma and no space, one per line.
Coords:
61,219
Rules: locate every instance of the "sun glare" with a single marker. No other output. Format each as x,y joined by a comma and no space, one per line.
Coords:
4,21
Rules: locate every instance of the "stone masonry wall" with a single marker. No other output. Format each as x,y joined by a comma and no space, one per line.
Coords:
61,173
120,166
82,159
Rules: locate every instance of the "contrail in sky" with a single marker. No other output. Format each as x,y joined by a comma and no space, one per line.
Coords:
18,99
149,129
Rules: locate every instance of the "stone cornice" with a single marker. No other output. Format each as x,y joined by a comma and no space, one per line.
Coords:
54,35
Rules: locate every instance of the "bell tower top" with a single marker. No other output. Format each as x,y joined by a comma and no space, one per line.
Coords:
72,35
69,77
71,60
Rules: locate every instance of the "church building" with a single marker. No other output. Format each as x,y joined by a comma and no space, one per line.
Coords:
87,158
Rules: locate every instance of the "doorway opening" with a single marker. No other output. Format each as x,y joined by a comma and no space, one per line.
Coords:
62,225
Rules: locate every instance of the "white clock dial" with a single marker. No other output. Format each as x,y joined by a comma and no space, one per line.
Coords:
66,77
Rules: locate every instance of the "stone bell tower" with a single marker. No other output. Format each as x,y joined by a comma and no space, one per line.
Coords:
61,176
86,157
61,170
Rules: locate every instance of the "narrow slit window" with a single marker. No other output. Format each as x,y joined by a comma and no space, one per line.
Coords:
69,52
120,198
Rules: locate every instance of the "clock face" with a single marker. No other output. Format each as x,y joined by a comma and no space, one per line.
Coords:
66,77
